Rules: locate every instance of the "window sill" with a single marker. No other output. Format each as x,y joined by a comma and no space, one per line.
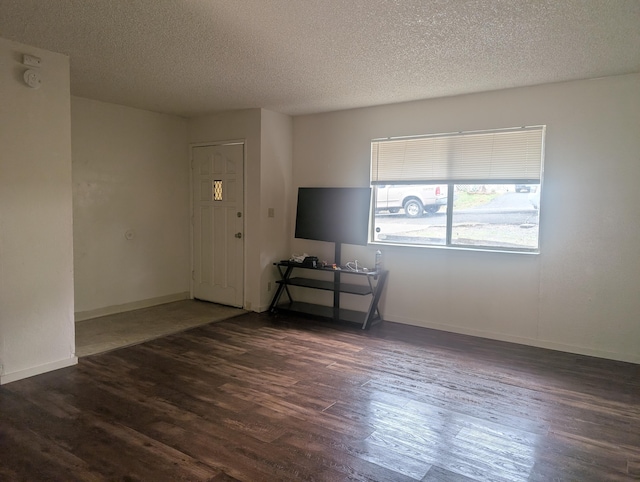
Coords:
483,249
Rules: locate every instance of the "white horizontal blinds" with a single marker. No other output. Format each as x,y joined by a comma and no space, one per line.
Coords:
410,159
508,154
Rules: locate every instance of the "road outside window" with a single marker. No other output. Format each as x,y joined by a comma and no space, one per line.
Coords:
494,216
483,215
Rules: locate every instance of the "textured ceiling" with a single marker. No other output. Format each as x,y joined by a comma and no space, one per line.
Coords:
190,57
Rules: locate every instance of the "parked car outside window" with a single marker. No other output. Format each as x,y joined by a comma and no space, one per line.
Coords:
414,199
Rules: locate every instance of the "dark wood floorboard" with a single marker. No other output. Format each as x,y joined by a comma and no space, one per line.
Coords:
261,398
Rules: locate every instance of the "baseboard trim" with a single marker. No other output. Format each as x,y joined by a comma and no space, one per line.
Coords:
549,345
39,370
135,305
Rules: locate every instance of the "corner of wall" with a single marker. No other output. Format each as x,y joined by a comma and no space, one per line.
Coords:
36,239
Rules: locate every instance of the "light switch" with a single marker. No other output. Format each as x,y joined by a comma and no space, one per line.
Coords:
31,60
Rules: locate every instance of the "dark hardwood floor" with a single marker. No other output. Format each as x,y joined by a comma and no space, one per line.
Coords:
258,398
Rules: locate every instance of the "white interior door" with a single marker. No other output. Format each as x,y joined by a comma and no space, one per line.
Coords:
218,222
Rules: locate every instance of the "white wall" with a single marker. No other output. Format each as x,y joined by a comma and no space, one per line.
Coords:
240,125
581,293
36,238
130,175
276,194
267,174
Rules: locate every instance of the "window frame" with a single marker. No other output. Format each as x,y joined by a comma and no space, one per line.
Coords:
451,185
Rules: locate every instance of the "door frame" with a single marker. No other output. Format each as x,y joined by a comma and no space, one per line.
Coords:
192,145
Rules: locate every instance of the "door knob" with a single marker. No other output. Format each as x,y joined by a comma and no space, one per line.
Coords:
238,235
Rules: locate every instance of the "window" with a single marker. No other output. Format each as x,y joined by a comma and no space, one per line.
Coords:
477,190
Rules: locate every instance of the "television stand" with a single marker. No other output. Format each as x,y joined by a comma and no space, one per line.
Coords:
375,284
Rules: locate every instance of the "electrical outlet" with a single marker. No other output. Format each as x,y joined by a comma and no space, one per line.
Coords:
271,213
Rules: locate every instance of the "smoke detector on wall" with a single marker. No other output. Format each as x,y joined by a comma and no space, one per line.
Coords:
33,79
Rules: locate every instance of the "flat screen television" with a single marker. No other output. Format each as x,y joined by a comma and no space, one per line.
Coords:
334,214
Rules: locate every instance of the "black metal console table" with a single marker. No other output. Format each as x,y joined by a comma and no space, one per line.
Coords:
375,284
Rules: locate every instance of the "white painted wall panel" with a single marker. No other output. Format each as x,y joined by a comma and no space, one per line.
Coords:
581,293
130,175
240,125
268,174
276,194
36,237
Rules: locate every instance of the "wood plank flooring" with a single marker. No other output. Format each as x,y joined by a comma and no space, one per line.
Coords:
258,398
